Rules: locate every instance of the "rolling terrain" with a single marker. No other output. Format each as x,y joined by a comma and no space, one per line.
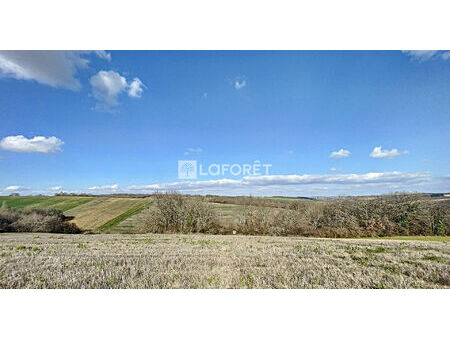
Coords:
111,253
90,213
62,203
121,213
99,212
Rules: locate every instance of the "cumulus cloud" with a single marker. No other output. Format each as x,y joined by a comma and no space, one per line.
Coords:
377,152
108,85
15,188
53,68
37,144
103,55
342,153
239,85
333,169
135,88
193,151
289,180
57,188
425,55
105,187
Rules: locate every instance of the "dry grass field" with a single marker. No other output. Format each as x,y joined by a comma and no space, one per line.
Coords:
38,260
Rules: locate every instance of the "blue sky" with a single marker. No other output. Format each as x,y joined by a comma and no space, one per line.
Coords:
118,121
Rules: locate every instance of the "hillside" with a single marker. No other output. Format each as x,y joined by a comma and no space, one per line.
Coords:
92,213
62,203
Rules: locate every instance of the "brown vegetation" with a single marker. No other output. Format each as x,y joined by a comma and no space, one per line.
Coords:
389,215
35,220
173,212
215,261
284,203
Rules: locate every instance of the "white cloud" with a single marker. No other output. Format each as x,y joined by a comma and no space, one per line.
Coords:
188,185
37,144
425,55
108,85
105,187
239,85
58,188
135,88
377,152
193,151
53,68
384,177
289,180
342,153
15,188
103,55
333,169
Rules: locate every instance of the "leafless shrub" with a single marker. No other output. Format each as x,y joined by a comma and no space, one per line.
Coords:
35,220
291,204
7,218
173,212
390,215
254,221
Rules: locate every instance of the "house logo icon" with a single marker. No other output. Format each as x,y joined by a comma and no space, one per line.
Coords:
187,170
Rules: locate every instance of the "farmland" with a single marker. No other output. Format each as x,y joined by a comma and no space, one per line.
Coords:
98,212
62,203
114,252
94,214
396,215
215,261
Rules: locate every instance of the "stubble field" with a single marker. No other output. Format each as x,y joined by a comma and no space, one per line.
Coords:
37,260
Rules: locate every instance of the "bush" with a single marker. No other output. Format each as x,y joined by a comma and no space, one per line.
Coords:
173,212
291,204
390,215
35,220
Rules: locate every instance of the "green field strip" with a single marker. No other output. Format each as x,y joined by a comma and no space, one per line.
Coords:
62,203
115,221
22,202
86,206
70,204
